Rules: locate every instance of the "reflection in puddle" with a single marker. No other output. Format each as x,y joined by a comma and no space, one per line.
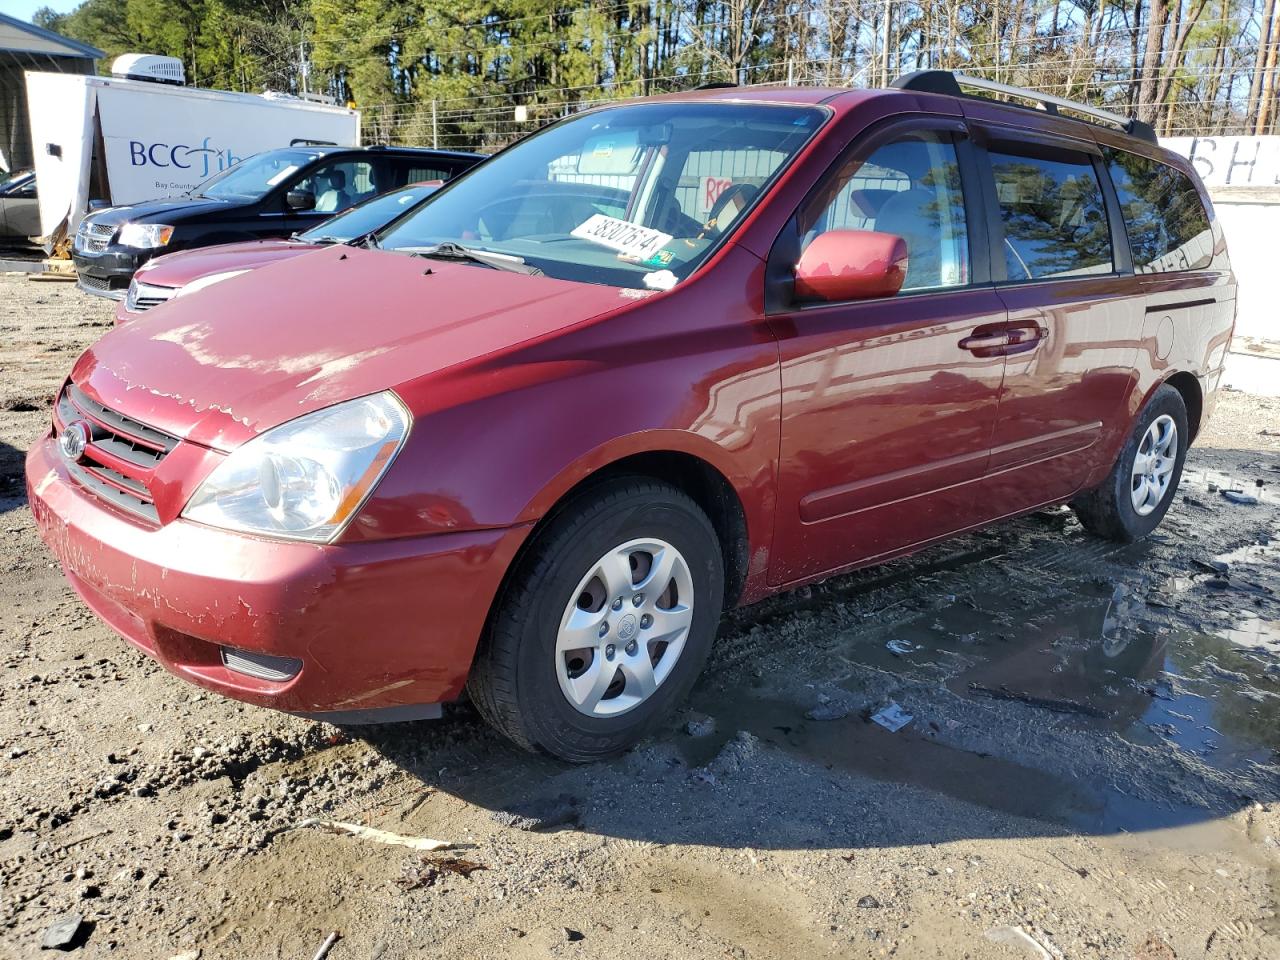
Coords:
1088,655
1250,553
1256,634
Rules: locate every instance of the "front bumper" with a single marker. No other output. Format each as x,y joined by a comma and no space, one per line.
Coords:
107,274
379,629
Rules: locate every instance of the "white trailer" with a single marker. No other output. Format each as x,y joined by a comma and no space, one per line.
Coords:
118,140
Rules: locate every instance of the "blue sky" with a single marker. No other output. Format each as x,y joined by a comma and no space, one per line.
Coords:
23,9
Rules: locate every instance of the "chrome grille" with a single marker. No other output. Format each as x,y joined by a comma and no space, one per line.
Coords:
144,296
97,283
93,237
120,456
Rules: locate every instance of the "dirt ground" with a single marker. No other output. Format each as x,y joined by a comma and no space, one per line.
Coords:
1092,767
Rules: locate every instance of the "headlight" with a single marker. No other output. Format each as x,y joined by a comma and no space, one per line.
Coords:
145,236
208,281
304,479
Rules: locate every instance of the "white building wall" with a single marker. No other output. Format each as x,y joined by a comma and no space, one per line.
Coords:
1243,178
1253,231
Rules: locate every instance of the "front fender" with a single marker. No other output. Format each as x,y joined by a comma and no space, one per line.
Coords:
499,442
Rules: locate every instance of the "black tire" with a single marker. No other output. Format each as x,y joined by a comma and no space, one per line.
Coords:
1108,510
513,681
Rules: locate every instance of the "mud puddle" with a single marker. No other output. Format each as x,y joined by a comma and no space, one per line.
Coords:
856,745
1089,654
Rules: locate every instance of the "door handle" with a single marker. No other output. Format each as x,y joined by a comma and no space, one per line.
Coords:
985,344
1025,339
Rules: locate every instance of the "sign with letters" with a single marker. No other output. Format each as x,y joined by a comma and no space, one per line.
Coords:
1231,161
710,192
157,145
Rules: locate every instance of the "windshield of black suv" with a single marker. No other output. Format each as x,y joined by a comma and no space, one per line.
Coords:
252,177
364,218
632,196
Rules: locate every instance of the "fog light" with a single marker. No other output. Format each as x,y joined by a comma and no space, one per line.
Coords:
262,666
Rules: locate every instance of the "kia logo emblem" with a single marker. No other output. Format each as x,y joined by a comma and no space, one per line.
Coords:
627,628
74,440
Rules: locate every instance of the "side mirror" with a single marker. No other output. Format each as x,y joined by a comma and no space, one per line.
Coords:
300,200
851,265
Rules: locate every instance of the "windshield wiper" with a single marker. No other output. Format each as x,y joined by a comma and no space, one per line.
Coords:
448,250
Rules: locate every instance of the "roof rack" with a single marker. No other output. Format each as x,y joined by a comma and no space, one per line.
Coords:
951,83
716,85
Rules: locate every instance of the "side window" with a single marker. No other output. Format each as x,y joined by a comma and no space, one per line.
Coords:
909,188
1163,215
340,184
1055,221
417,173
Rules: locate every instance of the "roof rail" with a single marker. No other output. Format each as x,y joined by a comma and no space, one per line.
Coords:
715,85
951,83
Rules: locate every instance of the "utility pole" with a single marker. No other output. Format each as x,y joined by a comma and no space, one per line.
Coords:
884,44
302,60
995,40
1260,62
1267,90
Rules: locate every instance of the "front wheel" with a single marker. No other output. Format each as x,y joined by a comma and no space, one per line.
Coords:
605,624
1137,493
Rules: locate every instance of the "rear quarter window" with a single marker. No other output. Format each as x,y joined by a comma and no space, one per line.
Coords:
1166,221
420,173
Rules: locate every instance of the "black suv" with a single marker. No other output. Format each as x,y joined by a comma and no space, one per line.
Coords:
271,194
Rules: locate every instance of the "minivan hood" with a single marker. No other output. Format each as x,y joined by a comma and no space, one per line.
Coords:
156,211
179,269
236,358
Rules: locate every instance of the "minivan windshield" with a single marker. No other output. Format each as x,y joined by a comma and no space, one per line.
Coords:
252,177
633,196
368,216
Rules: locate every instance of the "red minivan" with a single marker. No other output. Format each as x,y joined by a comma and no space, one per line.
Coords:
658,359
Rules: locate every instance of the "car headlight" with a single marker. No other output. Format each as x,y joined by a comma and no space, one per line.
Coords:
304,479
145,236
208,281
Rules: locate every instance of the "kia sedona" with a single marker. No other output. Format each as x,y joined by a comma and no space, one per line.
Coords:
271,194
657,360
177,274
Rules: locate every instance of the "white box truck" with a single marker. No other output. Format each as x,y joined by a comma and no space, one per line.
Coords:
141,135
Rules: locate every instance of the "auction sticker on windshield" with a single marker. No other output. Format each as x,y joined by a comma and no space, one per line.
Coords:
629,239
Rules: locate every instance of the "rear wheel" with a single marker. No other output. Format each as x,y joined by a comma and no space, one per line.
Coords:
1137,493
606,623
